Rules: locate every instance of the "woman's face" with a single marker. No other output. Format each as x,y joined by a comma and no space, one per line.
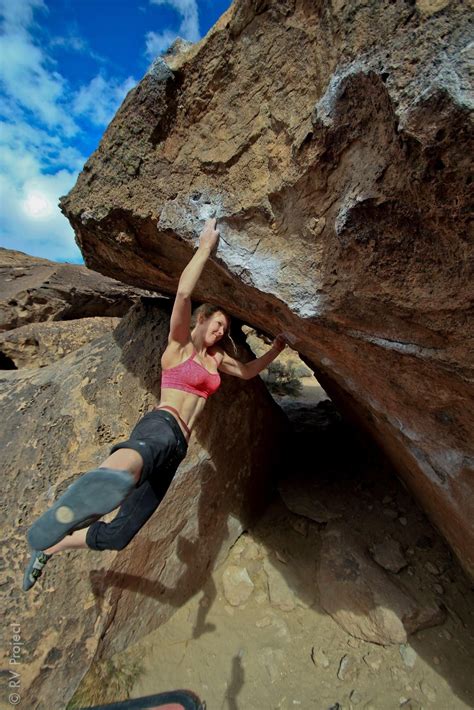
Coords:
215,328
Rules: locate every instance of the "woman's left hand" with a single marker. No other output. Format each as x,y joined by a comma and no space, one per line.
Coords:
279,343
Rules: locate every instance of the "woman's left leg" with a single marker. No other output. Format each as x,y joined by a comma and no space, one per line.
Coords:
131,517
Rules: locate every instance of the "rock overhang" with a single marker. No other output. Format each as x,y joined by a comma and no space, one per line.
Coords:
332,145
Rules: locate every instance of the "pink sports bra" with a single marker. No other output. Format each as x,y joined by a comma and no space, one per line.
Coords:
191,376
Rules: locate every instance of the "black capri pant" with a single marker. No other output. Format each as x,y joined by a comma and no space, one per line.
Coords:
159,440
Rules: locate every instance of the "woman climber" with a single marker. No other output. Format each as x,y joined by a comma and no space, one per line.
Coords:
139,471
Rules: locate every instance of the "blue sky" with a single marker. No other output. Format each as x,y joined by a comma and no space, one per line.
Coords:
65,68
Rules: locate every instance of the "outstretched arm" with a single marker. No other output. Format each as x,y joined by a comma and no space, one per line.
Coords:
181,316
247,370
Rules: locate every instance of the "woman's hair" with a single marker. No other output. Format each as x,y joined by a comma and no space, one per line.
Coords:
207,310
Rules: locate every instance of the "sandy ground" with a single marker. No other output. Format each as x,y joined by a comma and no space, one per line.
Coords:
267,644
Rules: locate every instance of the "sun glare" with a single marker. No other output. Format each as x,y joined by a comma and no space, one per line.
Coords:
37,206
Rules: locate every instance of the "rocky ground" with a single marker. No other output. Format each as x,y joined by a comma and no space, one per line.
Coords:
257,637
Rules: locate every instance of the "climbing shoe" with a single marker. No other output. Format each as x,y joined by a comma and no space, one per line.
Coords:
91,496
34,568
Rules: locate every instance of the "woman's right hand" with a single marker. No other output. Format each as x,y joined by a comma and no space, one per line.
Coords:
209,235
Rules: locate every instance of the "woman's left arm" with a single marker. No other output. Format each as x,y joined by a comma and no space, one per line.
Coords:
247,370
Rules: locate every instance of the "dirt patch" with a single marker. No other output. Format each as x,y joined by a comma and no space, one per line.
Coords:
256,637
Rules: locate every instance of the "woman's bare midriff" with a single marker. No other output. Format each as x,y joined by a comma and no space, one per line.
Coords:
189,406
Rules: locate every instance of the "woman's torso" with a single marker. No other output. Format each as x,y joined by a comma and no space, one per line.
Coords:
187,405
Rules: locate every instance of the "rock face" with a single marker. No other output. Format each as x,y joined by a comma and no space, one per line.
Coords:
34,290
362,598
60,420
332,141
39,344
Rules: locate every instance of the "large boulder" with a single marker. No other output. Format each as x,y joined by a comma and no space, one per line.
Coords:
61,420
34,290
332,141
39,344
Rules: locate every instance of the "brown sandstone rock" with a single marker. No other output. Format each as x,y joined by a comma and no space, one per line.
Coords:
39,344
333,143
35,290
62,419
362,598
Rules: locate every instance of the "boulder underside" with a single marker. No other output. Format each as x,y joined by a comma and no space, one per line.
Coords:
332,142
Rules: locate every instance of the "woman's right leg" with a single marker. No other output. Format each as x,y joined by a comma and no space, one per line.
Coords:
76,541
91,496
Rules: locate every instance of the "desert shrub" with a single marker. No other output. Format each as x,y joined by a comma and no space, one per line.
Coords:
281,379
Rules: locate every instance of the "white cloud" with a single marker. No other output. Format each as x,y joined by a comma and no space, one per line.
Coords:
40,118
26,73
157,42
33,223
100,98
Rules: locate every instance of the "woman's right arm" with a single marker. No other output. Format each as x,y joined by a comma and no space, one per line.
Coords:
181,316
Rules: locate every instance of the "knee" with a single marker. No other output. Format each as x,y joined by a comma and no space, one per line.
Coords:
100,538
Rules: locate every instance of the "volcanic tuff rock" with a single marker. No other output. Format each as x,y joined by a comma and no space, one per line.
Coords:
35,290
62,419
332,140
38,344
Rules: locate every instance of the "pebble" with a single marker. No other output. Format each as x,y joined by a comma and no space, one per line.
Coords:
410,704
262,623
355,697
387,499
281,557
319,658
408,655
274,662
403,520
427,691
390,513
389,555
399,675
436,660
353,643
438,589
347,668
432,569
373,660
301,526
237,585
261,597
